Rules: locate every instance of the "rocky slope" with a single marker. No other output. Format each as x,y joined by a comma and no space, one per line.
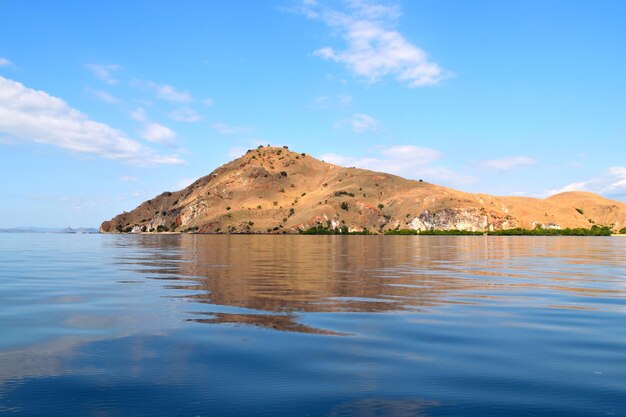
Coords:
275,190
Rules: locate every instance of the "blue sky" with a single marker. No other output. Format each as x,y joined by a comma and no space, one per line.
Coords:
106,104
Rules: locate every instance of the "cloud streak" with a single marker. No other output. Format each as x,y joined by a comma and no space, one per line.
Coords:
373,48
409,161
163,91
36,116
104,72
611,183
359,123
152,131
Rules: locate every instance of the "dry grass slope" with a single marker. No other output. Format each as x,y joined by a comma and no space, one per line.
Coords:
275,190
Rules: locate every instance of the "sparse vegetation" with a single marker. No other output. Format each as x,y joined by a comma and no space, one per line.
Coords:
622,231
580,211
344,205
291,211
381,206
343,230
161,228
594,231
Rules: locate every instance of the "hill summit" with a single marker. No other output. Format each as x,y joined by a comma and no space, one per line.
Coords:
275,190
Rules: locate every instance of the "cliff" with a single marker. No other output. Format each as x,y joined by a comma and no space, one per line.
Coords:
275,190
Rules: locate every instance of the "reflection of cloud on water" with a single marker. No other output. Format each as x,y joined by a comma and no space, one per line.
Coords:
381,407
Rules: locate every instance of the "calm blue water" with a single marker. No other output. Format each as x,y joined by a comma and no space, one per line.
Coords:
197,325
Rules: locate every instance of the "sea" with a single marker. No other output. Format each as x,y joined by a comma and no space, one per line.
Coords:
292,325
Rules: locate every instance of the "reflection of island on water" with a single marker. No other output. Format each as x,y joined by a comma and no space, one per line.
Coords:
268,280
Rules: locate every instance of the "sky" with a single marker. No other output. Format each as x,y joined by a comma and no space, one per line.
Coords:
104,105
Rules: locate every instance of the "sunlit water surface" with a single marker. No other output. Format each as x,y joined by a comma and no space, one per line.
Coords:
199,325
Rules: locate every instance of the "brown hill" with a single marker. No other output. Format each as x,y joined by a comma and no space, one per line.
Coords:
275,190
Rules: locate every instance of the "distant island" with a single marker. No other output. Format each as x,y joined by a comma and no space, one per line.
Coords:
31,229
275,190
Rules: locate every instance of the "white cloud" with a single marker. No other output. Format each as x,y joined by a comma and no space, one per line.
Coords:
373,48
163,91
359,123
406,160
139,115
226,129
5,62
104,72
208,101
157,133
128,178
36,116
152,131
185,115
507,164
612,183
104,96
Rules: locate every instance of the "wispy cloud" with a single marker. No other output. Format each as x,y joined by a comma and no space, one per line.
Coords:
152,131
332,101
163,91
612,183
128,178
104,72
226,129
185,115
508,164
406,160
104,96
373,47
208,101
36,116
5,62
157,133
359,123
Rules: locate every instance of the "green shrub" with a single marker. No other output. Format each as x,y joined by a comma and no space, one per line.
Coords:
381,206
161,228
344,205
622,231
580,211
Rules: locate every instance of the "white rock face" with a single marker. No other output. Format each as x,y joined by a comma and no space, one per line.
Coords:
449,219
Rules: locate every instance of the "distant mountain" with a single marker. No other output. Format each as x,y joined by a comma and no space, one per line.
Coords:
275,190
30,229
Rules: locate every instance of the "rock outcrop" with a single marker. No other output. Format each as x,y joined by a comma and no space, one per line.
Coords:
275,190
